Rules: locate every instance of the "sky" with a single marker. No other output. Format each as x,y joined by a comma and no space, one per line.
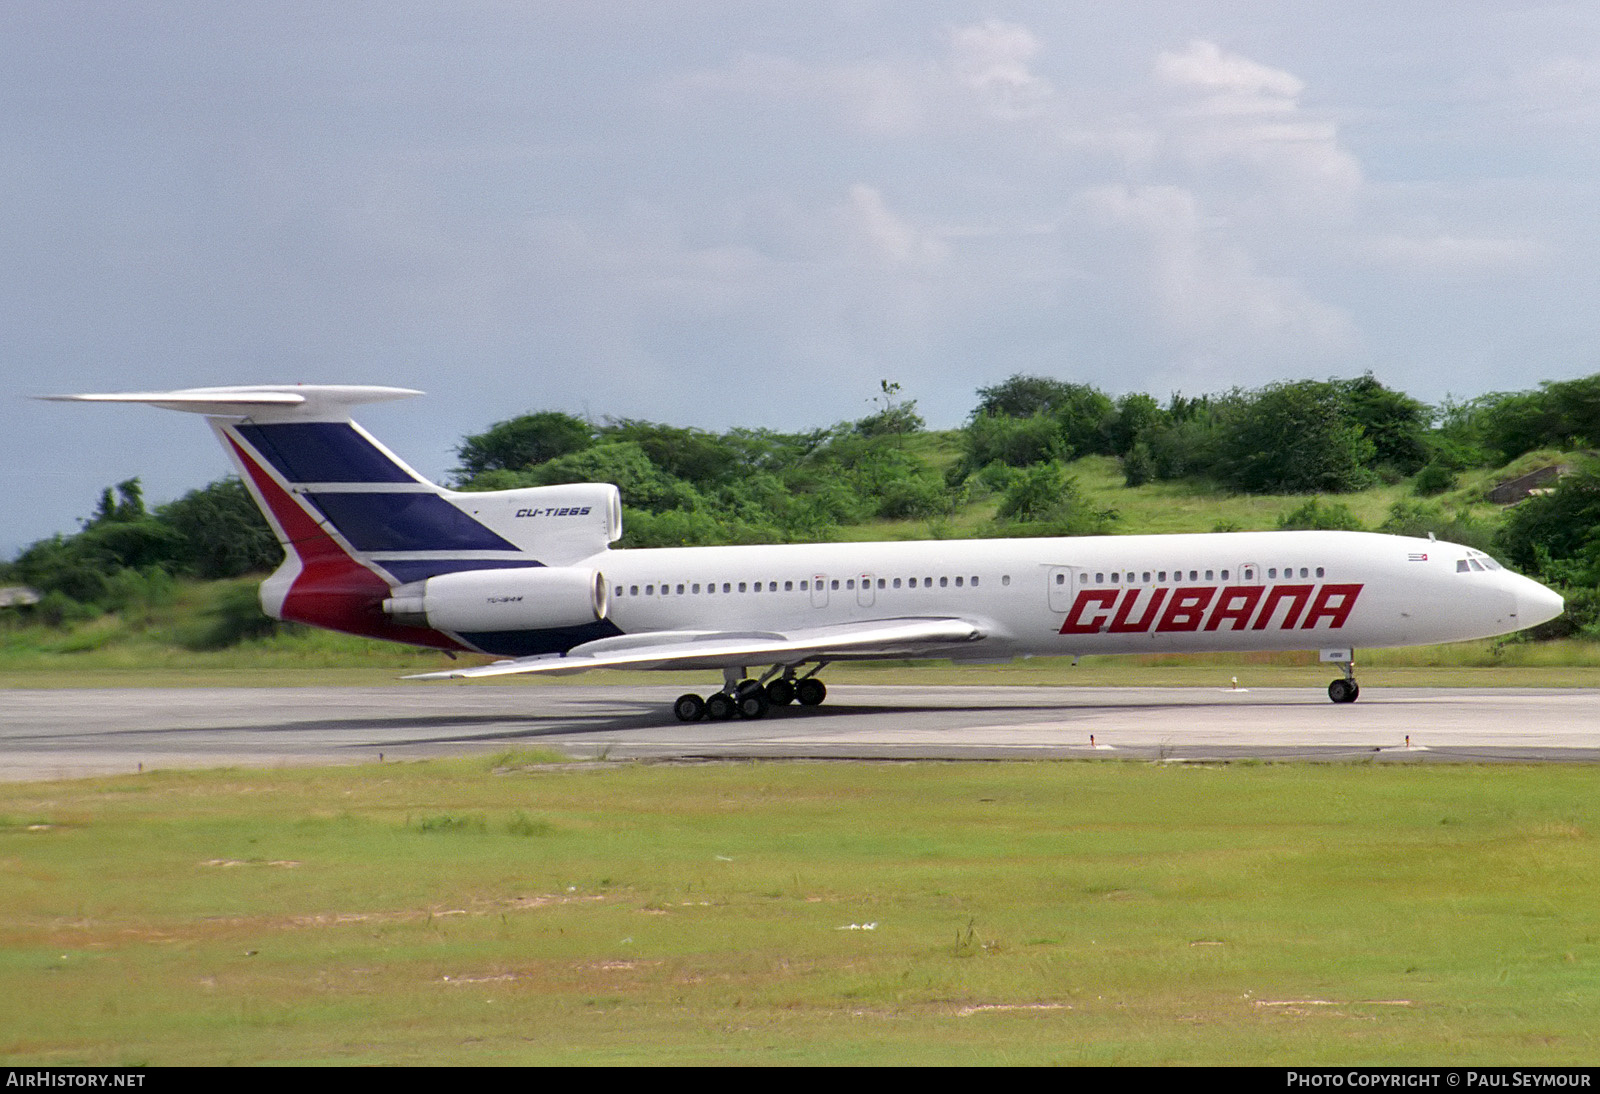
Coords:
719,214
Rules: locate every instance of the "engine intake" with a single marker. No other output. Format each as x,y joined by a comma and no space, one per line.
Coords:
521,599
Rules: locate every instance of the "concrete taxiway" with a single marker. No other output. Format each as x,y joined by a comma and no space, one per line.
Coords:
69,733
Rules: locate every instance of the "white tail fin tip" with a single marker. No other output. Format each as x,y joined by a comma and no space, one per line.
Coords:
295,399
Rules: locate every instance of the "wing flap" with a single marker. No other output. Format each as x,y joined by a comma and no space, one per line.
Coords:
718,649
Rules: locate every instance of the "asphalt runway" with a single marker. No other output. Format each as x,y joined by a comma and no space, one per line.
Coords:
71,732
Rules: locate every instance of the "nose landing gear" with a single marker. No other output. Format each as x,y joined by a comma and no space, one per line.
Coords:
1345,689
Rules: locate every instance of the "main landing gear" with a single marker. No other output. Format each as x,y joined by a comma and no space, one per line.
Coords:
742,697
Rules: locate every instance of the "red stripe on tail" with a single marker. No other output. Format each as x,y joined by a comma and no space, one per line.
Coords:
332,589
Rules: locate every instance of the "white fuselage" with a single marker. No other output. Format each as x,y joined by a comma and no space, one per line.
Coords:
1103,594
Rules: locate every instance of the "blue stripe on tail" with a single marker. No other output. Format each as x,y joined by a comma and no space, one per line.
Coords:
323,452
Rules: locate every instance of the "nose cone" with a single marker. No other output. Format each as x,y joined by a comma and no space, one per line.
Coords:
1536,604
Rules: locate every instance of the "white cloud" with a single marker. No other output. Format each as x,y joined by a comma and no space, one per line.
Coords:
877,97
1453,254
1235,112
1203,289
993,59
1229,76
885,236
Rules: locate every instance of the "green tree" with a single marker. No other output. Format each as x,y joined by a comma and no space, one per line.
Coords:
1317,516
522,443
220,532
1557,535
1395,423
1293,438
1044,500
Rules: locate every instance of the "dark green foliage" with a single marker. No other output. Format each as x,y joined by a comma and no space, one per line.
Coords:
1015,442
1314,515
1293,438
625,463
220,532
895,416
1434,478
125,559
1183,448
1023,397
1083,414
1505,424
522,443
1045,501
689,454
1136,414
1395,423
1031,420
1422,519
1138,466
233,617
1557,535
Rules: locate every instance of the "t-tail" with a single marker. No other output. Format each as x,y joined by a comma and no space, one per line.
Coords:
373,548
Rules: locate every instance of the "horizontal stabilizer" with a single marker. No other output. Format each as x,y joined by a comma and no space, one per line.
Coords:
702,649
285,400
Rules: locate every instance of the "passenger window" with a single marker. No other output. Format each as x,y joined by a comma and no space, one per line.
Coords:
726,587
1320,572
834,584
974,581
897,583
633,590
1005,579
958,583
944,582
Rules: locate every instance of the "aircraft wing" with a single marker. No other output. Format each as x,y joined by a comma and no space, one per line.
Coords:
716,649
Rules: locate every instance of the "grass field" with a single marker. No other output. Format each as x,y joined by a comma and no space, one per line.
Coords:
516,911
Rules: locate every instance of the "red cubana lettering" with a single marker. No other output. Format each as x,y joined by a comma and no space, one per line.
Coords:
1333,602
1186,609
1237,603
1297,595
1121,624
1076,624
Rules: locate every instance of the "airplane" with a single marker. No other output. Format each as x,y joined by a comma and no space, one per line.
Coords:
529,575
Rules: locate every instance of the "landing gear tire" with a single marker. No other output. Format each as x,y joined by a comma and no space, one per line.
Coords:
752,703
1344,691
780,693
720,707
689,708
810,692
